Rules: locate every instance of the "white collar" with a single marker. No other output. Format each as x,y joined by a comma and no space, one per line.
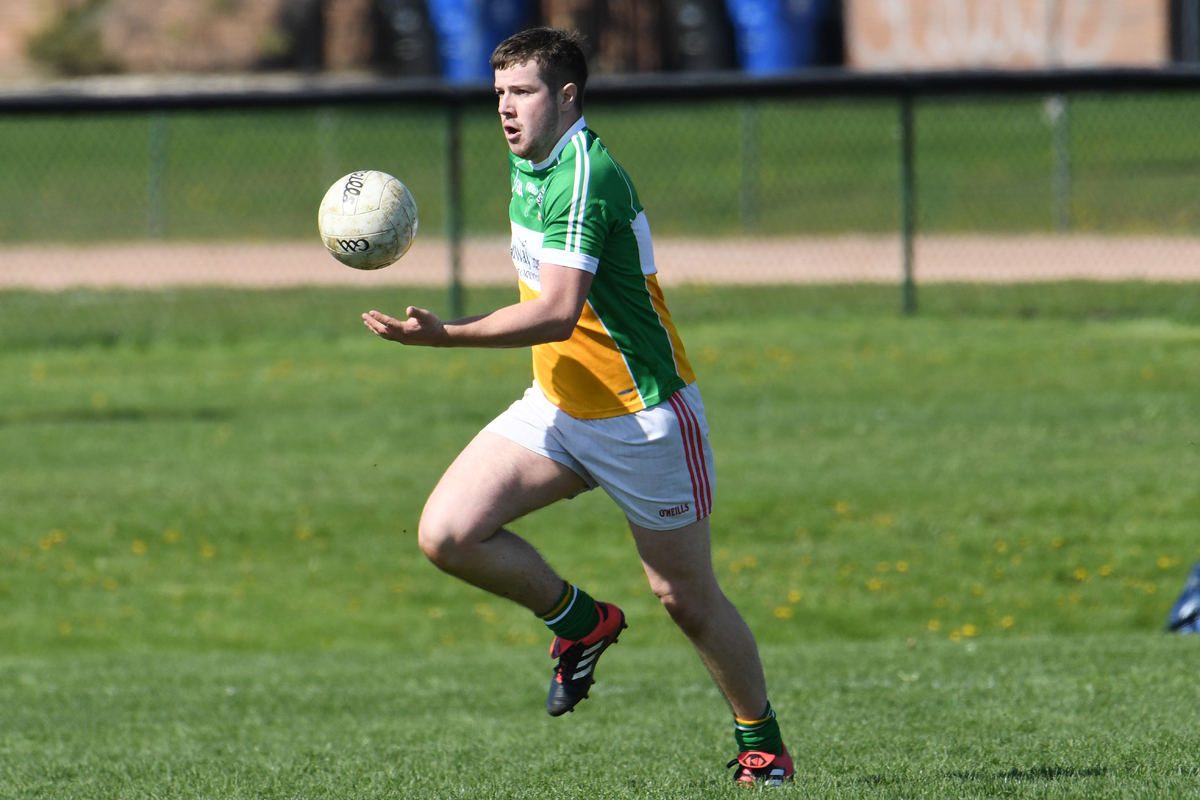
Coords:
558,148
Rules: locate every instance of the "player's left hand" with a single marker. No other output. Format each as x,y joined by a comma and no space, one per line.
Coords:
421,328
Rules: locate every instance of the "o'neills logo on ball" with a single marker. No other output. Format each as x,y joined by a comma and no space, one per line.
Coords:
676,511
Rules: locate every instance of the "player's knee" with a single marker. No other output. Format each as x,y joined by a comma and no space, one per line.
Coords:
437,539
689,610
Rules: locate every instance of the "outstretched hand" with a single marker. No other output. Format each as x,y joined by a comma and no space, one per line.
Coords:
421,328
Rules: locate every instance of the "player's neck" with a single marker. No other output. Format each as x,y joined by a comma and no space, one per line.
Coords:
566,123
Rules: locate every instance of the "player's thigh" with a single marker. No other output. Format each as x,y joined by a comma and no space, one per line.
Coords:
492,482
678,562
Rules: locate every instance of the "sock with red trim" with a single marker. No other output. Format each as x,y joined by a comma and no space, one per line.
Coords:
574,616
758,734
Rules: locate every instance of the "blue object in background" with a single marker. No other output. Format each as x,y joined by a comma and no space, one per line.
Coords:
1185,615
776,35
468,31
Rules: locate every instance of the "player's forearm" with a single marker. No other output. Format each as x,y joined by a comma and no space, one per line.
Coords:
521,325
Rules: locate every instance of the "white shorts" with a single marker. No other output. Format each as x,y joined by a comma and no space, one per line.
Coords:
656,464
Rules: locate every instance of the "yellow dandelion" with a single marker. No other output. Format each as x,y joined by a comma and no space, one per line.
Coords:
171,535
1147,372
64,628
884,520
901,566
1106,570
52,538
1151,588
874,584
1007,622
795,596
750,561
956,635
303,533
1164,562
138,547
977,590
841,507
354,604
783,612
99,400
1001,546
447,638
109,583
398,587
969,630
207,550
1057,541
883,566
806,561
435,612
934,625
1080,574
38,371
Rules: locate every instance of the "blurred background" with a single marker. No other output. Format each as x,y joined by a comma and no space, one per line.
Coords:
132,131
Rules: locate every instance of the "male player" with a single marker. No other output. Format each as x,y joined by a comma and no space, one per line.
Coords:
614,404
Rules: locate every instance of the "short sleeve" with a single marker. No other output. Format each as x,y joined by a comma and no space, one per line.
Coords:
574,216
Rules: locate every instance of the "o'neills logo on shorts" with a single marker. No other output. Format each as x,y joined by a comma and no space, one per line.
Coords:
676,511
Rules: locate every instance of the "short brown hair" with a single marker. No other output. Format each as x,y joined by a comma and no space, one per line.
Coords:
558,54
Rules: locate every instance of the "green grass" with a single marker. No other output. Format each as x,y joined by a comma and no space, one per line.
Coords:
1103,716
209,582
768,168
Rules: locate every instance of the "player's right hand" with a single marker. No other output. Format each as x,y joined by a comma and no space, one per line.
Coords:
421,328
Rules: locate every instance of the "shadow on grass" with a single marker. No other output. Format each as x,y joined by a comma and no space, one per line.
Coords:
1033,774
104,415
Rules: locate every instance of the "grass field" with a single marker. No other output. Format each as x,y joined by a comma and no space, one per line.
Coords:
769,168
956,536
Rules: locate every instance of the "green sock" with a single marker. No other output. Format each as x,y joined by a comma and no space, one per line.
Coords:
758,734
574,616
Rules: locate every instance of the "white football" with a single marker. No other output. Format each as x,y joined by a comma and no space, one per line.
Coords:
368,220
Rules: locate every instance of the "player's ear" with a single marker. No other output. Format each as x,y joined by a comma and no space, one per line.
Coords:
568,96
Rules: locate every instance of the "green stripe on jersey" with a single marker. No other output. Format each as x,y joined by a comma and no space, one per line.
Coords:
584,209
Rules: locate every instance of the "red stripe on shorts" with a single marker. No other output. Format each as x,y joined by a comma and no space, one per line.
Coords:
699,445
687,452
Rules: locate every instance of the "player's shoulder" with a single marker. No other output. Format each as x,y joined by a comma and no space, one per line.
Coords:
585,158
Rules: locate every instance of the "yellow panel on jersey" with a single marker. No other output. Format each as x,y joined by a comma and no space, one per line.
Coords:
660,305
586,375
578,210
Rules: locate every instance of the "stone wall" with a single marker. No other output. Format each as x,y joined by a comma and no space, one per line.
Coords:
950,34
18,19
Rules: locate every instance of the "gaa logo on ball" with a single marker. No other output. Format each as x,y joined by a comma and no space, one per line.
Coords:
368,220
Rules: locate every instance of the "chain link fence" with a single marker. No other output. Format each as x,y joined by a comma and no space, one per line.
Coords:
745,182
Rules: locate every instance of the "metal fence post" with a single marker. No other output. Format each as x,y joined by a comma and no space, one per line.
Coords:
328,118
156,176
1059,107
748,166
454,206
908,202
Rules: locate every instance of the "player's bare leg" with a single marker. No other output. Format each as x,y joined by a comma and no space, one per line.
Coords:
493,482
679,565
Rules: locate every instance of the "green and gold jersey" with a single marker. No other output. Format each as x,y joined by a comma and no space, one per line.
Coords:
578,209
